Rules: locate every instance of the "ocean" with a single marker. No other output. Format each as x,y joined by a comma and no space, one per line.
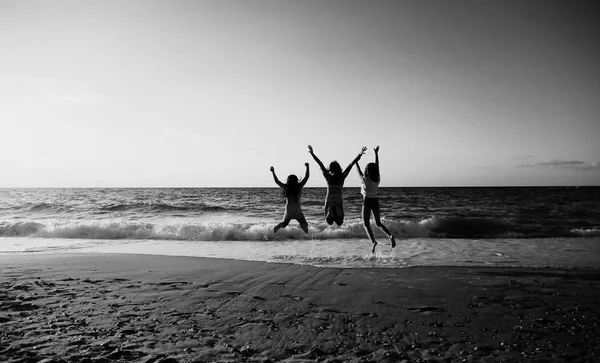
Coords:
508,226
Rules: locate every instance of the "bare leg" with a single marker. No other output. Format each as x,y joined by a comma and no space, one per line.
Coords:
366,214
303,224
329,215
304,227
339,215
334,213
376,214
281,225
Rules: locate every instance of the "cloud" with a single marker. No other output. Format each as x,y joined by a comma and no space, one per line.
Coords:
562,164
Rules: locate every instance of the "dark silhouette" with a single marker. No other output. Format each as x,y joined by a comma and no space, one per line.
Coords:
291,192
335,177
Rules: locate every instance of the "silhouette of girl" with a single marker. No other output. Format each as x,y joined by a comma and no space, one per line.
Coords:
291,192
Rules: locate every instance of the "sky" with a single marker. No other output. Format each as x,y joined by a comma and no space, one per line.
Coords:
105,93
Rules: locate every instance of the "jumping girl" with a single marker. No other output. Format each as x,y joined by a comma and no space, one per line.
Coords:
335,177
291,191
370,183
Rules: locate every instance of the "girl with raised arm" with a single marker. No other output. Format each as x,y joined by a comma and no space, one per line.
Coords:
291,192
335,177
370,183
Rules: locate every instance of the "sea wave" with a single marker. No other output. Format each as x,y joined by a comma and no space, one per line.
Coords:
134,207
41,207
162,207
455,227
586,232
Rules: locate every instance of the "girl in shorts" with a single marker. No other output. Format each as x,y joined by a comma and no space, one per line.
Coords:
291,192
370,183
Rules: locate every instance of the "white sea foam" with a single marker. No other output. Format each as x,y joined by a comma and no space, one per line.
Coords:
587,232
349,253
263,231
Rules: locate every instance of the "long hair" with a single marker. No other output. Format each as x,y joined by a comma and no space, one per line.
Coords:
292,190
335,169
372,172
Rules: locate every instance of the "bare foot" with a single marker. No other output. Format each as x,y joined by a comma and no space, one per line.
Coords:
393,240
277,227
374,244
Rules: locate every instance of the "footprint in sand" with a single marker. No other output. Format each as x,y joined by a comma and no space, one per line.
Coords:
427,309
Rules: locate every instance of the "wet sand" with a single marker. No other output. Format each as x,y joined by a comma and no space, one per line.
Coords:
117,307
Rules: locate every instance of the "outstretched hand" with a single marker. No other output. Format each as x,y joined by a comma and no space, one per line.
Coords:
272,169
376,149
362,151
310,149
306,164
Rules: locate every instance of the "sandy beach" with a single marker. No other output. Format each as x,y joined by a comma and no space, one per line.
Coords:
117,307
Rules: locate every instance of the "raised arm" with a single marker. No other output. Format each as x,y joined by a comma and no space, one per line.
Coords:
306,175
356,159
377,155
275,178
310,150
358,169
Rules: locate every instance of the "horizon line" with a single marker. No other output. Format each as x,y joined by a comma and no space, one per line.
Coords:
311,187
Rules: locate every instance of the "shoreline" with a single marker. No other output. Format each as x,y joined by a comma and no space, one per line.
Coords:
151,308
342,253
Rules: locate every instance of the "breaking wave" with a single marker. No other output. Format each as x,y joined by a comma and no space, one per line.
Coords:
455,227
